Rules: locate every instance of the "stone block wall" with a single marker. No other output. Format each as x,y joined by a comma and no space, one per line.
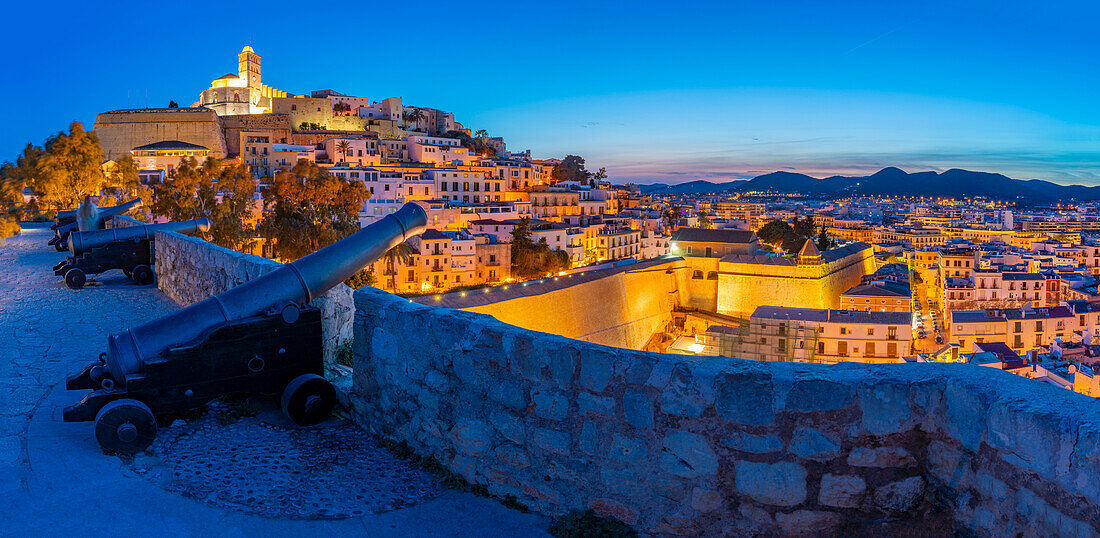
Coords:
712,446
190,270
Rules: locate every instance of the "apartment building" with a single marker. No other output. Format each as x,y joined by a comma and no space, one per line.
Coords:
1021,329
613,243
437,150
780,333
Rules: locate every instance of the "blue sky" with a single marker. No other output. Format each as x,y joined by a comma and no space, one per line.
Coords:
656,92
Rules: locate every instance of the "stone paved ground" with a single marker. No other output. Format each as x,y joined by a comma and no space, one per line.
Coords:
54,479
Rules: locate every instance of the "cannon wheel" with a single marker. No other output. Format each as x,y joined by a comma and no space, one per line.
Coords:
308,399
125,426
142,274
75,278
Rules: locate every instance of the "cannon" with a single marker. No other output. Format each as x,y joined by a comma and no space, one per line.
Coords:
90,217
261,337
95,219
128,248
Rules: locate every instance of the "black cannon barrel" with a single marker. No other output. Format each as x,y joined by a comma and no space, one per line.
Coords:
90,217
297,282
80,242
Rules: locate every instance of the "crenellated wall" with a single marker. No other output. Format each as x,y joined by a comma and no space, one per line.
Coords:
714,446
190,270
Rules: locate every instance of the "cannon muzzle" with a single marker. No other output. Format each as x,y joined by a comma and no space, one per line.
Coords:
295,283
81,242
90,217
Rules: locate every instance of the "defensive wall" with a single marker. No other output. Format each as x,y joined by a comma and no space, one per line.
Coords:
746,282
619,307
189,270
713,446
119,131
233,126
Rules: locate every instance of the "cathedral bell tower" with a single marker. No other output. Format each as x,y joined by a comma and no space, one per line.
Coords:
248,68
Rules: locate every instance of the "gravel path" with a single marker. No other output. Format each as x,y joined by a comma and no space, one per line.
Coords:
208,476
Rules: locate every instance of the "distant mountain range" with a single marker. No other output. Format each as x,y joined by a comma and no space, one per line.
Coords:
893,182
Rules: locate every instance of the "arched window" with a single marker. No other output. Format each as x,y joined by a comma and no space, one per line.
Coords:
236,97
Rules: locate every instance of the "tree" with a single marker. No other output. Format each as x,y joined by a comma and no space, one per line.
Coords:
414,116
823,242
189,193
534,260
571,168
70,168
804,227
402,252
343,147
599,176
475,145
779,233
124,184
310,209
704,222
173,104
481,133
233,220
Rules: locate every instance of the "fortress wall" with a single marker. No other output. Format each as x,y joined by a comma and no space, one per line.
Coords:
742,287
622,309
120,131
696,293
189,270
278,124
713,446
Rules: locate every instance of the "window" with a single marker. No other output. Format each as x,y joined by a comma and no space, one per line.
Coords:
870,331
821,347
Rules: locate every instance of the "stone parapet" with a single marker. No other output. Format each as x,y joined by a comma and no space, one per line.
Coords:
190,270
712,446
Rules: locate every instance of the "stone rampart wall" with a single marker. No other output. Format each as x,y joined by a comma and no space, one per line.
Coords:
120,131
622,309
713,446
190,270
739,294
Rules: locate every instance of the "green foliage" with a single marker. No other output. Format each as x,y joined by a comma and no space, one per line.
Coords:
310,209
804,227
587,524
365,277
779,233
534,260
8,227
345,356
173,104
704,222
475,145
823,241
223,194
309,126
571,168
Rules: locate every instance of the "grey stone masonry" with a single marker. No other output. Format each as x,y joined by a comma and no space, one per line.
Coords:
679,445
190,270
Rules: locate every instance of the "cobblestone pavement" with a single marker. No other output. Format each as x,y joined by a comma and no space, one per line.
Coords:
196,479
266,466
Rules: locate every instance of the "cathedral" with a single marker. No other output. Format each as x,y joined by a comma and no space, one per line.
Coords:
243,93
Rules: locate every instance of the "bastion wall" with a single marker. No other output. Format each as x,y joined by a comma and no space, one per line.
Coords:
120,131
709,446
189,270
742,286
619,307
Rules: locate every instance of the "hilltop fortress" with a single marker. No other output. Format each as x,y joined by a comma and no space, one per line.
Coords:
241,103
